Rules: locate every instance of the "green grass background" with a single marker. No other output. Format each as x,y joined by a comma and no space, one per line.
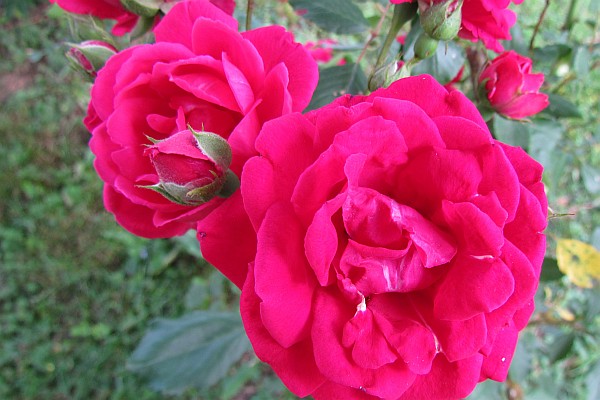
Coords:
77,292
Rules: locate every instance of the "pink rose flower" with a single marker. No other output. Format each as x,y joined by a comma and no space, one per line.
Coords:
485,20
512,89
321,51
113,9
399,246
200,72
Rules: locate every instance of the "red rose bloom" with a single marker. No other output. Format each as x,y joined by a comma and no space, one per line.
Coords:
398,246
113,9
321,51
512,89
200,72
485,20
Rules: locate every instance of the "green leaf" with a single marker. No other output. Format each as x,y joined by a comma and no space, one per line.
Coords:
518,42
592,381
560,107
338,80
197,294
233,384
189,244
550,271
582,60
488,390
444,64
544,140
522,361
591,178
514,133
552,53
596,238
561,346
544,147
338,16
196,350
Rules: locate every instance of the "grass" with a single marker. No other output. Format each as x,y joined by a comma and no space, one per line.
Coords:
76,291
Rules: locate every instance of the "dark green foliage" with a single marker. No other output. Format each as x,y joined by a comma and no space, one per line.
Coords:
336,81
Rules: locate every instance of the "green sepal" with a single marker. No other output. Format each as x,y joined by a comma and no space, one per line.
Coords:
151,139
214,147
230,185
158,188
204,194
143,8
97,55
143,26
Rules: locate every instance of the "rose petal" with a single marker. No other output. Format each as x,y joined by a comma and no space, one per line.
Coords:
284,280
178,24
321,240
472,287
275,45
135,218
447,380
476,233
495,365
295,365
276,183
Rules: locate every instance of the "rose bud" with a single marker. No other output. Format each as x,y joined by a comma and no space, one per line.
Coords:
90,56
425,46
192,167
511,88
441,19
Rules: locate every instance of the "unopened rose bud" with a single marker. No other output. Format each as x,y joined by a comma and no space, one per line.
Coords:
425,46
511,88
383,76
441,18
90,56
192,167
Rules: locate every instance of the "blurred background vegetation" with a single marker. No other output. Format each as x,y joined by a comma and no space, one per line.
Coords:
77,292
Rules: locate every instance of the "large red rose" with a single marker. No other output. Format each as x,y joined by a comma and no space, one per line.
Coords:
398,246
485,20
113,9
511,88
203,73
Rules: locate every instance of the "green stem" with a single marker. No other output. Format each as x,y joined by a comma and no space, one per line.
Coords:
402,14
249,11
570,20
539,23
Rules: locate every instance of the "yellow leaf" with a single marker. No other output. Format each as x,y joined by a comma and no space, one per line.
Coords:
565,314
579,261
